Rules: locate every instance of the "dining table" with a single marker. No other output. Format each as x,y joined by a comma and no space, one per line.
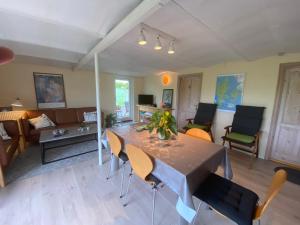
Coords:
182,163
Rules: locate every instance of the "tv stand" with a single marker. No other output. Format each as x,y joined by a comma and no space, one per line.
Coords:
144,111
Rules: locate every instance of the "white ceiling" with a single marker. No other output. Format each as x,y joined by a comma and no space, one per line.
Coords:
207,32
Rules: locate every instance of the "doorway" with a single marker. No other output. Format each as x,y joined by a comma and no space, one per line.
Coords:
123,102
284,142
189,93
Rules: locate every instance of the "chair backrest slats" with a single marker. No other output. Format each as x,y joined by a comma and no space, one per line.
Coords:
278,180
114,142
247,119
205,113
198,133
140,162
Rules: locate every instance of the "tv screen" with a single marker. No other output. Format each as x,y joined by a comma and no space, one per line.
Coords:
145,100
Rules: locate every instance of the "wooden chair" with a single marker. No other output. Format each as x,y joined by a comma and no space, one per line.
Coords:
116,150
204,118
198,133
142,166
236,202
244,132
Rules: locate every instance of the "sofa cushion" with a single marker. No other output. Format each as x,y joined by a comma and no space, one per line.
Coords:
10,147
11,127
90,116
64,116
41,122
36,113
3,133
80,111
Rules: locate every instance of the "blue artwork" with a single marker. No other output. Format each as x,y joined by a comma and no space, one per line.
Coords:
229,91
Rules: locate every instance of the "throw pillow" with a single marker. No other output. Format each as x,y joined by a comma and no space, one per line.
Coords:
3,133
41,122
90,116
52,124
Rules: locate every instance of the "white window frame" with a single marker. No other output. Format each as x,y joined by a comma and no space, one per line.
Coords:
131,94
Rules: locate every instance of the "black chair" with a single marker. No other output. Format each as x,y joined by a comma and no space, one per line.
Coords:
245,129
234,201
204,118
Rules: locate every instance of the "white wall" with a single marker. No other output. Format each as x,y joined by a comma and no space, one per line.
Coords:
16,80
259,90
153,85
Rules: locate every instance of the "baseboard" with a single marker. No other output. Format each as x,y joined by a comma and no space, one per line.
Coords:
294,166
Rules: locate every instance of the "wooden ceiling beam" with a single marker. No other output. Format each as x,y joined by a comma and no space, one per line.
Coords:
135,17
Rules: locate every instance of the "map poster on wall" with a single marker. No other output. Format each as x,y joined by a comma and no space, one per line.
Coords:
229,91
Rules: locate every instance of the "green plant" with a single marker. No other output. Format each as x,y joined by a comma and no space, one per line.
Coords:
110,119
164,123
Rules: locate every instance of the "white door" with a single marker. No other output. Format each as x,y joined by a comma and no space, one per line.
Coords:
189,94
286,145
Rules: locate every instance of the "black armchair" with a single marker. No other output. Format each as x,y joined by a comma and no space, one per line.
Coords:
244,132
204,118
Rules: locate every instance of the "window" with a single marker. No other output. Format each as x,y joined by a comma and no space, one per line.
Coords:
122,88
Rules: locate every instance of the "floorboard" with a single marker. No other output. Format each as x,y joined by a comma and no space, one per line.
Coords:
80,195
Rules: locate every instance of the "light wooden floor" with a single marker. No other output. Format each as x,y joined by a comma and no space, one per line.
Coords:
80,195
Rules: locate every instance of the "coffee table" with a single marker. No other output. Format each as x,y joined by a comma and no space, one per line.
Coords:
72,136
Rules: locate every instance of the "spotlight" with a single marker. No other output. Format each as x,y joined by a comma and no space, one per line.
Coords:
171,49
158,44
142,39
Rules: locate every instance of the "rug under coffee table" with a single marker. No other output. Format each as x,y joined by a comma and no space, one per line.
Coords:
72,136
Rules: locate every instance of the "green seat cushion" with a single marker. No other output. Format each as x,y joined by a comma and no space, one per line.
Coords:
240,137
203,127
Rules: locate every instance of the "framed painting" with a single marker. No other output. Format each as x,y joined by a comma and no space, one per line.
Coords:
49,90
167,98
229,91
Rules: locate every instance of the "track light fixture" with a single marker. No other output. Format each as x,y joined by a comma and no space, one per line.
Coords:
158,45
159,36
171,49
142,39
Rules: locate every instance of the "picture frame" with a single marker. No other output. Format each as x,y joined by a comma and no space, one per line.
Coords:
49,90
229,91
167,98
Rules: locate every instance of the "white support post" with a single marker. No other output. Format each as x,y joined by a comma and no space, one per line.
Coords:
98,105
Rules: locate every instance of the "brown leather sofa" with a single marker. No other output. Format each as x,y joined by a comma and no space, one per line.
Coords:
61,117
8,147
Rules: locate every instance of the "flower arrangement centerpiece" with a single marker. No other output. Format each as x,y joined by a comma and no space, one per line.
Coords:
164,123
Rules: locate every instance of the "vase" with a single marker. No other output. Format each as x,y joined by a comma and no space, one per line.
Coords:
161,136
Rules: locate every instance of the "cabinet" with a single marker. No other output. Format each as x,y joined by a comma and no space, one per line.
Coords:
146,111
